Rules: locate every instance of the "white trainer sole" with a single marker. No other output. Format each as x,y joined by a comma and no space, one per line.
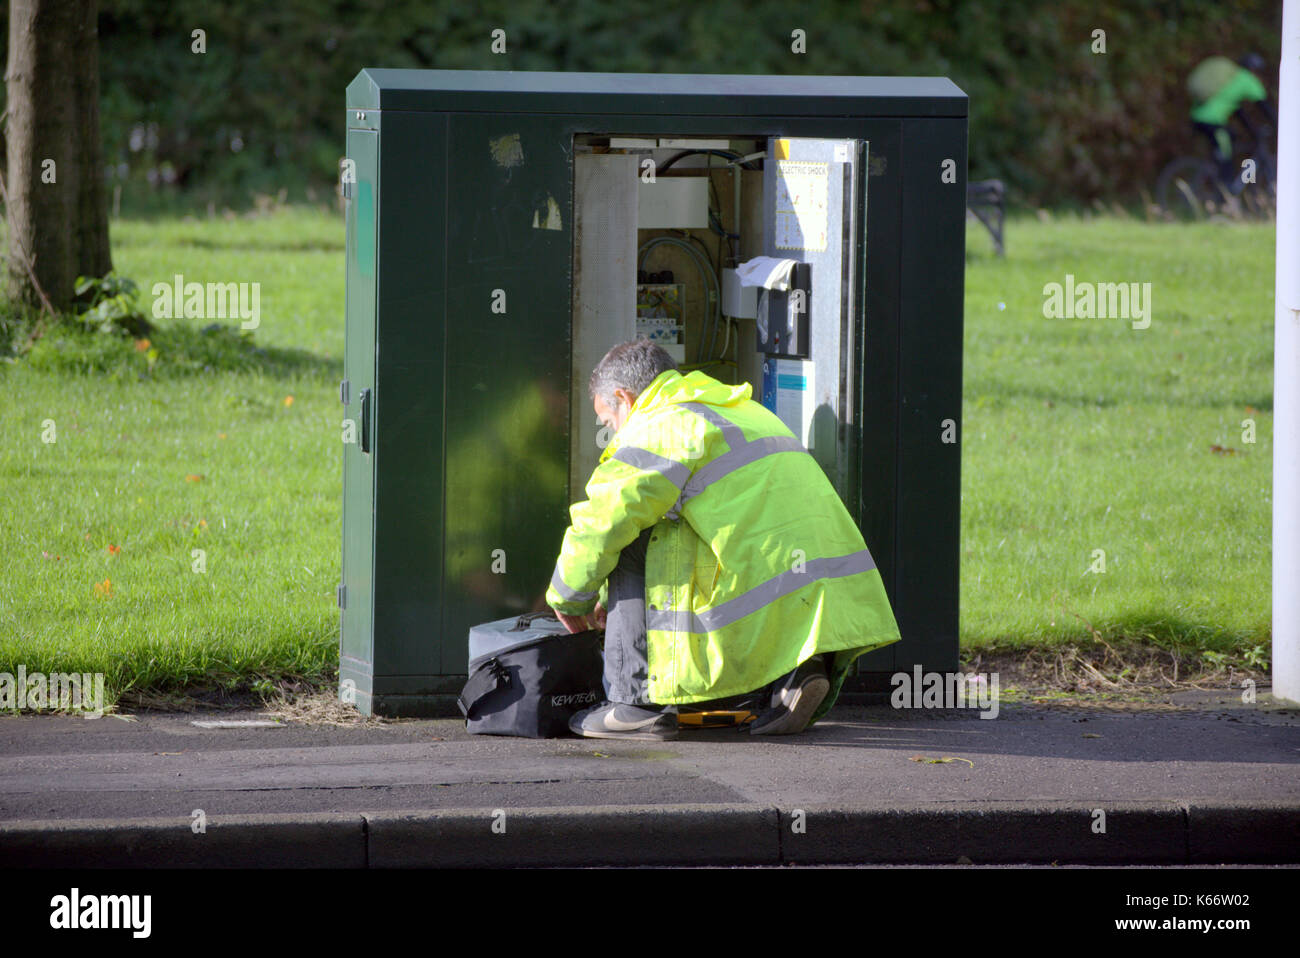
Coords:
635,736
805,701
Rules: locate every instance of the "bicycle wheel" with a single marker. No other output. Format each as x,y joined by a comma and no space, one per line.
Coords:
1260,197
1188,189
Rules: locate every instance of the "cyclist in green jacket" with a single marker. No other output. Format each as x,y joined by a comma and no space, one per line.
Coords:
1220,89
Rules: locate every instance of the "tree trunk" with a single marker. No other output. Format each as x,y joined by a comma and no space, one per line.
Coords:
57,212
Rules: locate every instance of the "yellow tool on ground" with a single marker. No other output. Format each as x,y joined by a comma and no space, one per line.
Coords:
716,718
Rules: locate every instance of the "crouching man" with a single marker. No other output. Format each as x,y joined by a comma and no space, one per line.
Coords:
724,557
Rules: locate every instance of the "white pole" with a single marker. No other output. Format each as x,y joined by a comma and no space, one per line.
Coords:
1286,372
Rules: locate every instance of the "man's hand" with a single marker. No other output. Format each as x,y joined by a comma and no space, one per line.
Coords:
574,623
581,623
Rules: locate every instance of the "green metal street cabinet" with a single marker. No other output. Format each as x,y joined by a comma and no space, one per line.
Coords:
804,234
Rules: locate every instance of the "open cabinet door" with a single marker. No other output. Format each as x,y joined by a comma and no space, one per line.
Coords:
811,203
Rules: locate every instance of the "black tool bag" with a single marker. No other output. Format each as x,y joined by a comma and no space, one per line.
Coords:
528,676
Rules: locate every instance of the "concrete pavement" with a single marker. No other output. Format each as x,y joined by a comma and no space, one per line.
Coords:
1206,780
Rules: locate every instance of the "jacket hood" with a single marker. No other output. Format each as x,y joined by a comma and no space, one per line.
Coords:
695,386
672,387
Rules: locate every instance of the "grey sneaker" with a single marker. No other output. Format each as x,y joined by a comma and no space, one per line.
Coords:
795,696
617,720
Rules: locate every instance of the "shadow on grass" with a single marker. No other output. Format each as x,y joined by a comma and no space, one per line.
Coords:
1207,643
1150,630
1003,392
244,242
176,351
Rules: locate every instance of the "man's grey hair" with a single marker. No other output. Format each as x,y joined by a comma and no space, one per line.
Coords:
632,366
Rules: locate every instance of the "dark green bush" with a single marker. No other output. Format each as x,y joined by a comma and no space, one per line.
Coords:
263,108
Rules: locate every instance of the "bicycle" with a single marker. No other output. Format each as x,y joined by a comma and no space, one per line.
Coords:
1189,187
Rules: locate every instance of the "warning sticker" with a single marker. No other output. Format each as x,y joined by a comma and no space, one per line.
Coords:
802,199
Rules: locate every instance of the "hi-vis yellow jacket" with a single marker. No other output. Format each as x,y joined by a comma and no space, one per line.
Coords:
754,564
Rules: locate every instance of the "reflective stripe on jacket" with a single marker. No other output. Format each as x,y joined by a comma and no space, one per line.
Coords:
754,564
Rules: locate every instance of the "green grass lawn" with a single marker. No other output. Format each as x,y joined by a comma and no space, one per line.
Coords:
1089,434
1078,435
244,466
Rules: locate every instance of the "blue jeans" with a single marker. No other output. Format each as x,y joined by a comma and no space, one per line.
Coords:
626,664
